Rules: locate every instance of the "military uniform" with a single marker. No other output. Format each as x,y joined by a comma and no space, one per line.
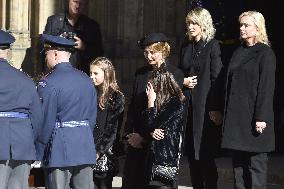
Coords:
20,121
66,145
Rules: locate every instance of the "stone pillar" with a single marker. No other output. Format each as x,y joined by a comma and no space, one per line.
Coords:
3,14
18,24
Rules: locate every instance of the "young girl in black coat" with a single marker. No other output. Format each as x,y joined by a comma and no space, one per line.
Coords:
110,107
163,121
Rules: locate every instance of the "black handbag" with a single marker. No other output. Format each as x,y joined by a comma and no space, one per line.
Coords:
102,165
107,164
166,172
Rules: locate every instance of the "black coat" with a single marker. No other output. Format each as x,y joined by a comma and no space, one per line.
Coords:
204,61
136,159
85,28
170,119
249,98
139,98
105,131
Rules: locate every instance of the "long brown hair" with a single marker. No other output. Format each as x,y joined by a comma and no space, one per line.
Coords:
110,84
165,86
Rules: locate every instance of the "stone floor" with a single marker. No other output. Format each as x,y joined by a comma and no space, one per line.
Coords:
275,173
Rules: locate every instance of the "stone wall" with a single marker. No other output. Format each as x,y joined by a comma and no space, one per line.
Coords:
123,23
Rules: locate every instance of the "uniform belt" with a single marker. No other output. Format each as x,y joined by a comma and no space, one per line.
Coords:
84,123
14,115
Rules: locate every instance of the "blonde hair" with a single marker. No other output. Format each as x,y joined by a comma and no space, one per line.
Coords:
110,84
259,22
163,47
203,18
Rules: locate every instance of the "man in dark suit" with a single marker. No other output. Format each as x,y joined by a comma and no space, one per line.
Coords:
66,145
73,24
20,120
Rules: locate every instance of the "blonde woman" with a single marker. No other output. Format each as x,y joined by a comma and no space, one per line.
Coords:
201,64
248,119
110,108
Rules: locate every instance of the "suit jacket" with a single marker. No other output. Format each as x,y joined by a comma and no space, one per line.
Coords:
249,98
18,94
67,95
85,28
205,62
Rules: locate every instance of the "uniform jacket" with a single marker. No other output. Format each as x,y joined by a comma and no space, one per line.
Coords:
205,62
139,98
249,98
67,95
18,94
85,28
105,131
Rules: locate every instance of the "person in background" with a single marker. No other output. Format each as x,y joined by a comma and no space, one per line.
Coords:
66,144
110,107
86,33
20,119
163,121
248,126
156,51
200,61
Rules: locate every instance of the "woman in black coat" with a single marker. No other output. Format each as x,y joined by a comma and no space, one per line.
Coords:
201,63
248,119
163,121
136,135
110,108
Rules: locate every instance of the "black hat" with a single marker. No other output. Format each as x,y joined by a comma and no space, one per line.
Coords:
6,39
57,42
152,38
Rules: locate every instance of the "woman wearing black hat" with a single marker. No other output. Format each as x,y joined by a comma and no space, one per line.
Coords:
156,50
201,63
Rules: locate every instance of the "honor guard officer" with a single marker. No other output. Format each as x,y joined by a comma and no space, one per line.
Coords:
66,145
20,121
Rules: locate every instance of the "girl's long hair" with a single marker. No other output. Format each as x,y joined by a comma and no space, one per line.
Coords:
110,83
165,86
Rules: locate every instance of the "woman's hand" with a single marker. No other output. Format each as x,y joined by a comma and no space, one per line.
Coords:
190,82
216,117
158,134
79,43
260,126
151,94
98,155
135,140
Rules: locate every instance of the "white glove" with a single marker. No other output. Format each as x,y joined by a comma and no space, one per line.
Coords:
36,164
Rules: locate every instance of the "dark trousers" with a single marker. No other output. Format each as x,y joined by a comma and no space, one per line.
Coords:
103,183
250,170
134,169
203,173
